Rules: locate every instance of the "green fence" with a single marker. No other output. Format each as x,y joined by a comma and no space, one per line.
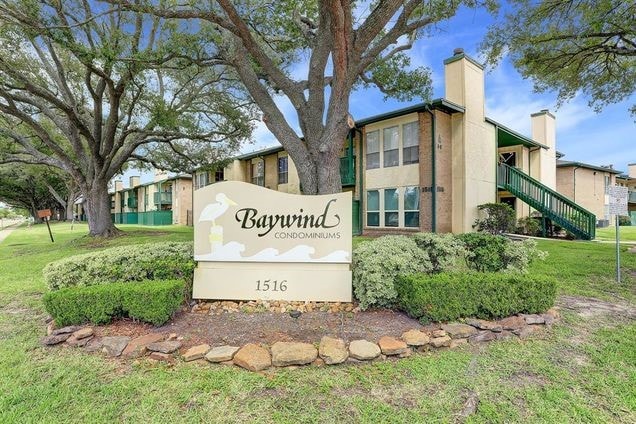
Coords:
125,218
143,218
155,218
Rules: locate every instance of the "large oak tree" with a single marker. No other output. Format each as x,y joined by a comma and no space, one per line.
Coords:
571,46
86,87
344,44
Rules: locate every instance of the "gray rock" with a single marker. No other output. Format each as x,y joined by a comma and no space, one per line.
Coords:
483,336
485,325
293,353
459,331
65,330
164,347
534,319
363,350
332,350
54,339
221,353
115,345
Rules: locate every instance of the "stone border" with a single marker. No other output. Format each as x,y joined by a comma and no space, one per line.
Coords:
329,351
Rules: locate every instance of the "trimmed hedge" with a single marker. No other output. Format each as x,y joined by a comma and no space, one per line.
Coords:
150,301
450,296
150,261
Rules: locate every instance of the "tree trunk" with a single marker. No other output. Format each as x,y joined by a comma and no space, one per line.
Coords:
97,204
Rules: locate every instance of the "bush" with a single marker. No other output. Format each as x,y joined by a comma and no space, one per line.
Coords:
499,219
150,301
450,296
624,221
443,249
490,253
152,261
377,263
528,226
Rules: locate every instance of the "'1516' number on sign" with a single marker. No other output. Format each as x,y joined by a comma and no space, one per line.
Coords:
273,285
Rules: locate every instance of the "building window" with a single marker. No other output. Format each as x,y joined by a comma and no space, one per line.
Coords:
258,173
282,170
410,143
391,144
411,207
373,149
373,208
219,175
202,179
391,202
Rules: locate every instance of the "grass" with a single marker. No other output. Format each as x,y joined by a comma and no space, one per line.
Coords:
583,370
627,234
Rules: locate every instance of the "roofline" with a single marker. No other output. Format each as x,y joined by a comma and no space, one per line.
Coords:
516,134
262,152
439,104
567,164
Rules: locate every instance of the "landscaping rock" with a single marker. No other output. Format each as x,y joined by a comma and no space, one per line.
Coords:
54,339
221,353
485,325
482,336
164,347
534,319
332,350
293,353
459,331
319,362
438,333
83,333
512,323
162,357
443,341
548,319
458,342
415,338
504,335
363,350
50,328
75,342
94,345
553,312
392,346
139,346
66,330
196,352
526,331
253,357
115,345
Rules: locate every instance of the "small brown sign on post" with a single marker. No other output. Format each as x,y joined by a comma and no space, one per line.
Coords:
45,214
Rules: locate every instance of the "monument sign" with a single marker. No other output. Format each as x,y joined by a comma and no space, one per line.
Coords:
254,243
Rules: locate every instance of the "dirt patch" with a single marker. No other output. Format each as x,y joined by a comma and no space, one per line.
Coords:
588,307
527,379
240,328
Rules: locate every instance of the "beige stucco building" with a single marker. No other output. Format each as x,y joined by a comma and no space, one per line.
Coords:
429,166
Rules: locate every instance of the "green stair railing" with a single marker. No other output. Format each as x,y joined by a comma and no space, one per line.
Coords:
558,208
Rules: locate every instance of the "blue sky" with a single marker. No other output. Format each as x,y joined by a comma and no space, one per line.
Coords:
583,135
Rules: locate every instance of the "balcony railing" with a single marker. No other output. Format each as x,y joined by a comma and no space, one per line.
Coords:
348,171
163,197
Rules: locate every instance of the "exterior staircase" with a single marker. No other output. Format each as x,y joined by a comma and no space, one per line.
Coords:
552,205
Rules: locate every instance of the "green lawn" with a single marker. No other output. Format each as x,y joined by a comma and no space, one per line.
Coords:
583,370
627,234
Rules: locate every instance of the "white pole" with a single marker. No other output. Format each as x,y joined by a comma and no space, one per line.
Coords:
618,252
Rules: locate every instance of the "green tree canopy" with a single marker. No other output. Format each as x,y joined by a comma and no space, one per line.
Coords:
571,46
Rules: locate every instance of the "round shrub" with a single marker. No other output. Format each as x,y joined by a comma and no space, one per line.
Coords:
376,265
444,250
150,261
490,253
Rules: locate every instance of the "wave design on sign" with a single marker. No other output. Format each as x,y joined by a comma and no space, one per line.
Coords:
233,251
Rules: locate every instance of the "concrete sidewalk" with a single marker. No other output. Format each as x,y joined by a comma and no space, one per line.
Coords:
7,230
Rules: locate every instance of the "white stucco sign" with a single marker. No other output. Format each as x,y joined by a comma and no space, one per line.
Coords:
254,243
